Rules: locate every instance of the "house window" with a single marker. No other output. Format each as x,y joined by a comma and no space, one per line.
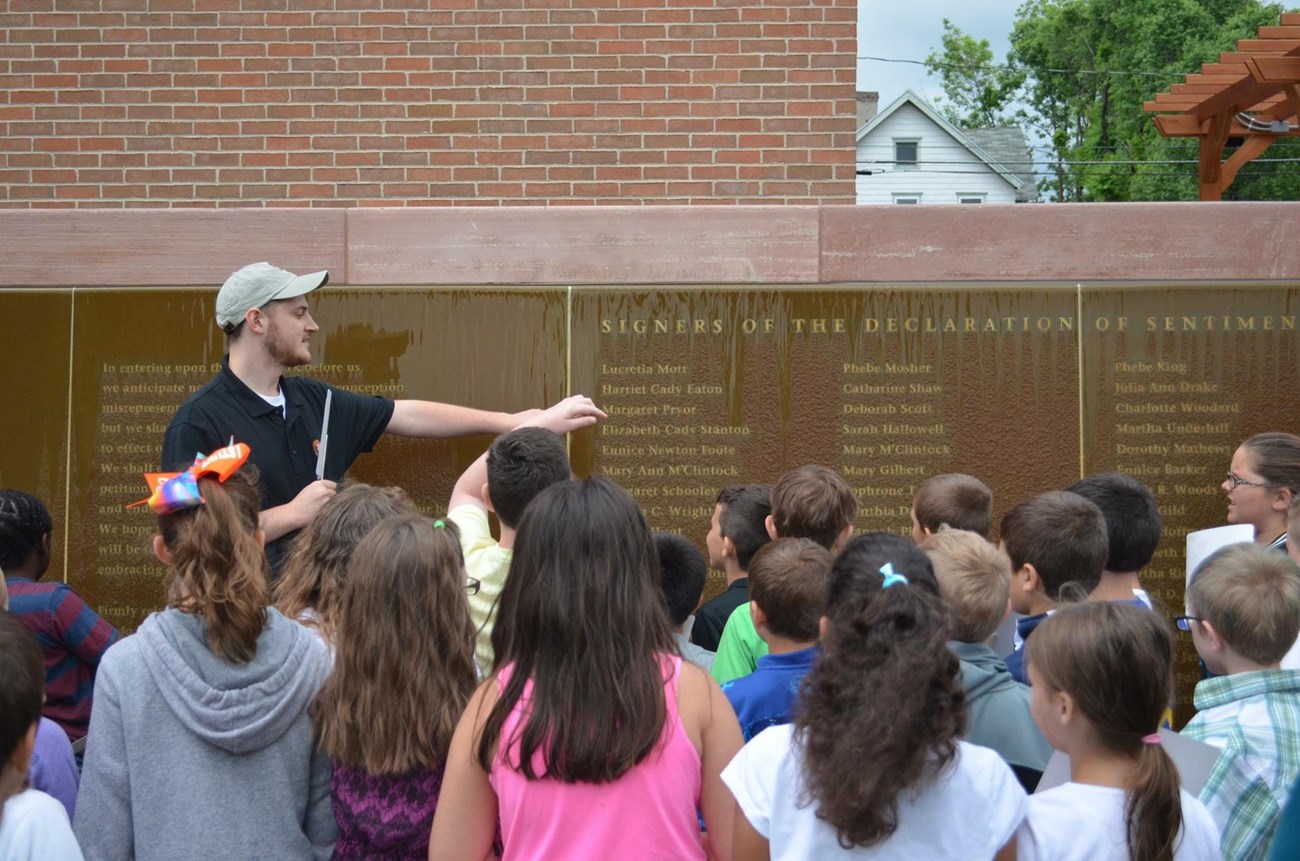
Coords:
905,153
907,198
968,197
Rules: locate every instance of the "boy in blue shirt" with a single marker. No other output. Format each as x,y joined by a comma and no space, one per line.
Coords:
787,588
1055,540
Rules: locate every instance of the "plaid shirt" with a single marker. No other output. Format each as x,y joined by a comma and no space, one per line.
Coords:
1255,718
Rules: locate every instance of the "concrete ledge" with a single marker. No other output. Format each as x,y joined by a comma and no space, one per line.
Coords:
1185,243
584,245
101,247
1181,242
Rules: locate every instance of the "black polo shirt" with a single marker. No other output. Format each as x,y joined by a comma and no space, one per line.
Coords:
283,448
711,619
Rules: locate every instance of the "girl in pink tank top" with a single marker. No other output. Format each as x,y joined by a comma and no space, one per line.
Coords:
593,739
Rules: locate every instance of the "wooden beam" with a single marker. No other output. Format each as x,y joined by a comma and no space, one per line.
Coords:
1239,57
1255,45
1210,172
1235,98
1194,89
1251,149
1213,80
1237,69
1274,70
1290,19
1283,32
1183,126
1195,104
1229,97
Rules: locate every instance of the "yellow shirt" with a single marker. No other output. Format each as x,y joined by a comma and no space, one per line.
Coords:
488,563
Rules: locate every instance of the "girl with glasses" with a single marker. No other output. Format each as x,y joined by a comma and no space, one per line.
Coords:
1262,480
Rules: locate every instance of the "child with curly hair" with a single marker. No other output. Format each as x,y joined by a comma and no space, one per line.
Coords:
874,765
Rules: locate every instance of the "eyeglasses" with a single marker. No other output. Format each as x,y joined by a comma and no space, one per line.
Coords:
1234,482
1184,623
471,585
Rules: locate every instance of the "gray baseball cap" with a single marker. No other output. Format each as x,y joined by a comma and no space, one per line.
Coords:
259,283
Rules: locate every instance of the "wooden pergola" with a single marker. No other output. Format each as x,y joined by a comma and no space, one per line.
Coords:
1252,94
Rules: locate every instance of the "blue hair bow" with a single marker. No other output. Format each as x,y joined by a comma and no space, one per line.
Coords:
891,579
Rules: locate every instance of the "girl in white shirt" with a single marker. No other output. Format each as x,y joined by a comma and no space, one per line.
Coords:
873,766
1102,675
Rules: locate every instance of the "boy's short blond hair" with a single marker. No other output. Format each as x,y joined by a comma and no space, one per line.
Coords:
1251,595
974,579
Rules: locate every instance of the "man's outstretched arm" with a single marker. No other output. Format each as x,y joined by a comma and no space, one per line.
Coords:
570,414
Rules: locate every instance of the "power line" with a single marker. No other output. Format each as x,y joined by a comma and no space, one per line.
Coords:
1049,161
984,173
1014,69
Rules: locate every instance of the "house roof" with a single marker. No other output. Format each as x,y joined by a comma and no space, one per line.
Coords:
955,133
1008,146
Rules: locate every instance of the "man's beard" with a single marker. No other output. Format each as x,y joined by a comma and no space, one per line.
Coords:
279,351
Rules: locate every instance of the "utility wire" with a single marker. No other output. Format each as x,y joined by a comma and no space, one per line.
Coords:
1051,161
1243,172
1014,69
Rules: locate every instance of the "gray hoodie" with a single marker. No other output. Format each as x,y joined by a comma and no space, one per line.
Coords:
999,708
193,756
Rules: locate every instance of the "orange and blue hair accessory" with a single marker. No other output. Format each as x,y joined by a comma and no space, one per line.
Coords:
177,491
891,579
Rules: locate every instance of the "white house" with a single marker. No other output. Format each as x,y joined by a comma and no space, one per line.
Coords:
908,153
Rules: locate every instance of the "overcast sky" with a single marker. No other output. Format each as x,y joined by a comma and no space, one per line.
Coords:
911,30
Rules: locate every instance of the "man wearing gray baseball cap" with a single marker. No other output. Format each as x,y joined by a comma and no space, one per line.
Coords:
263,311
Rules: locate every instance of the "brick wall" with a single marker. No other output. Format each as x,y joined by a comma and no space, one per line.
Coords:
358,102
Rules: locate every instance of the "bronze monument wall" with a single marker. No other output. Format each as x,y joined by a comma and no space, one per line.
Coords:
708,383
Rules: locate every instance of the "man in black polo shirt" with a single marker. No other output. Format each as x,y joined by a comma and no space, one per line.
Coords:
263,311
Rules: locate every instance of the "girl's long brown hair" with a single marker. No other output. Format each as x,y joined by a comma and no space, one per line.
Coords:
1116,663
404,650
583,617
218,568
317,566
883,708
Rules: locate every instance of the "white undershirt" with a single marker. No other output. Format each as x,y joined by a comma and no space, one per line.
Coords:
276,400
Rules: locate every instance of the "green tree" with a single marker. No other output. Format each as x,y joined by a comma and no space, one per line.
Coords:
977,93
1080,71
1090,64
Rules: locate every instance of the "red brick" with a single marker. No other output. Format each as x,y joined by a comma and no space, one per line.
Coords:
511,102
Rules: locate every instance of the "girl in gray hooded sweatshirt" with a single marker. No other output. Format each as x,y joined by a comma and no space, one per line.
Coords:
200,744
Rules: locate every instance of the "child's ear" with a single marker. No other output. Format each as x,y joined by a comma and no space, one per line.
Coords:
770,524
728,547
843,538
1029,574
160,550
1282,498
1211,638
1066,710
823,625
486,497
21,759
757,615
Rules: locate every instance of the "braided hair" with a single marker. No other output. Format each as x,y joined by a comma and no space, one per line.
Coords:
24,521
